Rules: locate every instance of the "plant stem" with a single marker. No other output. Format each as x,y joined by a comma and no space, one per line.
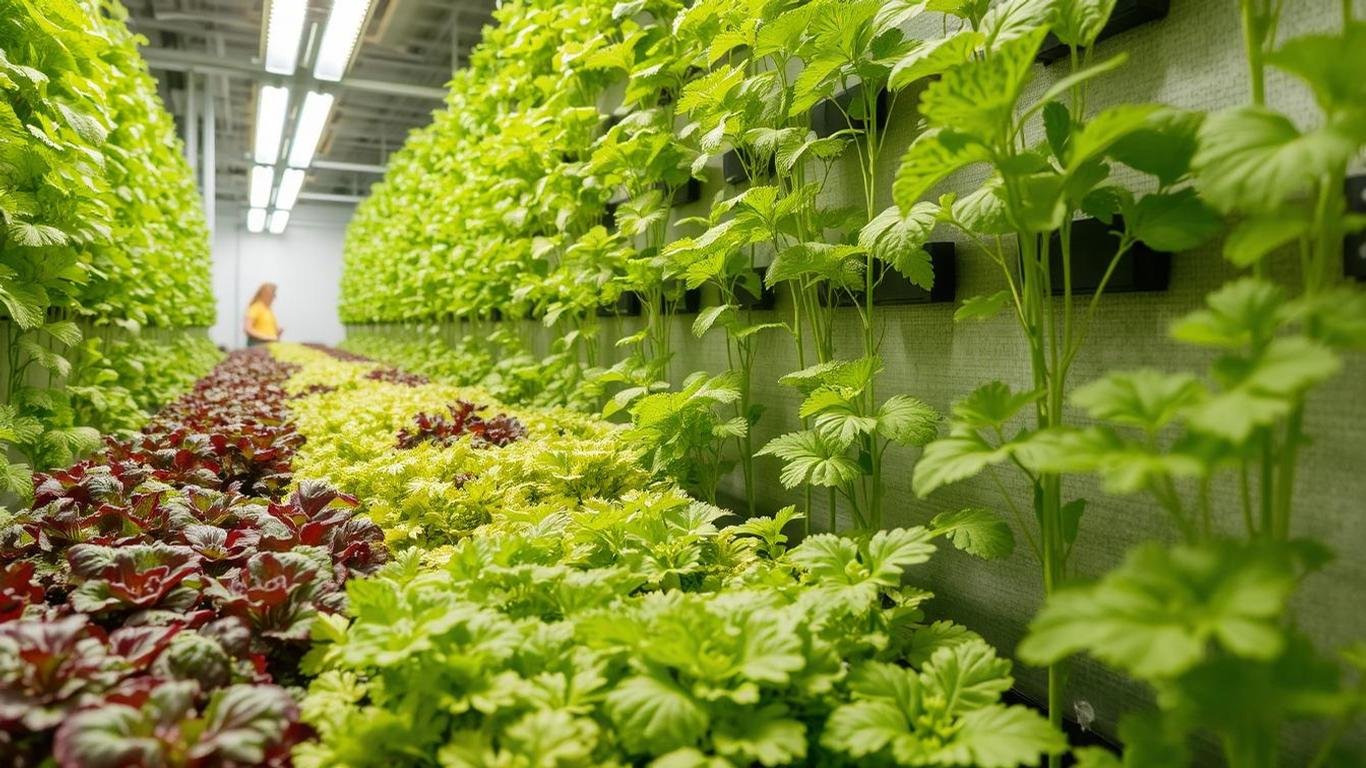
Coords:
1253,41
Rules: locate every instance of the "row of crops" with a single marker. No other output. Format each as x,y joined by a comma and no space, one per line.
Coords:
104,254
547,191
207,594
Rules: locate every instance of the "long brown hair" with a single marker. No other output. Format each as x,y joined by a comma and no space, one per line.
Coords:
266,288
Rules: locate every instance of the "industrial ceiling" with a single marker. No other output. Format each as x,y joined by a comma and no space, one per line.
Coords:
210,57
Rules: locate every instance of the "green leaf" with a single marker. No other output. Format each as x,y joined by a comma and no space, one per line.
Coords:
1096,757
712,90
992,404
34,235
766,738
864,728
907,421
85,126
708,318
1266,388
1145,399
826,148
1157,614
552,737
978,97
878,560
967,676
64,331
812,459
16,479
887,553
1102,131
45,357
654,716
1003,737
832,262
1057,126
982,307
954,458
1253,238
1330,64
1237,313
934,155
1173,221
1012,19
25,303
745,331
1043,205
934,57
899,241
1164,147
1254,160
840,424
984,210
1079,22
976,531
848,377
927,640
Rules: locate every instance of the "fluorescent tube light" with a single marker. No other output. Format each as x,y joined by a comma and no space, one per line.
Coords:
272,103
256,220
290,184
339,38
262,176
308,130
283,30
278,221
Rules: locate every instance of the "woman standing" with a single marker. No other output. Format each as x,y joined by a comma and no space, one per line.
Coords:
261,327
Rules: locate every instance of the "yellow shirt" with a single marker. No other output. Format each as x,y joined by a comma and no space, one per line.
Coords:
261,322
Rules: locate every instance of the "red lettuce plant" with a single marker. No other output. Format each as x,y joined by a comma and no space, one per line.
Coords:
496,431
277,594
241,725
395,376
17,590
139,576
152,593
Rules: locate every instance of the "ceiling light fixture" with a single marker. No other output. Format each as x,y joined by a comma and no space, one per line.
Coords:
339,38
256,220
272,105
278,221
308,130
283,31
290,183
262,176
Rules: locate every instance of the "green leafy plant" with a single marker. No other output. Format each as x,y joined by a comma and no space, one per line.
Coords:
1032,193
100,221
1224,656
846,442
682,433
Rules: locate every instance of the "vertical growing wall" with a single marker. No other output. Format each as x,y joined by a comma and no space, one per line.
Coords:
103,236
496,212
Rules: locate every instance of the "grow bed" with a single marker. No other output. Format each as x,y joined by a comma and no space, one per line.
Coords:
550,601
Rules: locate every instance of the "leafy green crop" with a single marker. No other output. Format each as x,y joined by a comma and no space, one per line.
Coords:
1208,624
552,174
100,224
558,607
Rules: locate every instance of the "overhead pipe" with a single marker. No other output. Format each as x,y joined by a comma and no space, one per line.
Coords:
170,60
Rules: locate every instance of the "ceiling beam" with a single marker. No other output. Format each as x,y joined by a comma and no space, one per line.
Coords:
333,165
171,60
324,197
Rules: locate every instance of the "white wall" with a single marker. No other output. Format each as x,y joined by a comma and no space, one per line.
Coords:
305,262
